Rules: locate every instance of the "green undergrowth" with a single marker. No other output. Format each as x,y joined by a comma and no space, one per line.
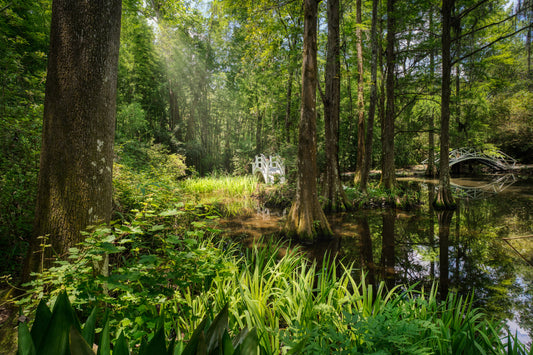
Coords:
405,198
159,278
149,173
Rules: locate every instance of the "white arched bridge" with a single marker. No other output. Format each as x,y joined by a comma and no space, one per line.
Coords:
269,169
494,159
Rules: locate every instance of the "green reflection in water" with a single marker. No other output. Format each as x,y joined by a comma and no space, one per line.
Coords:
473,249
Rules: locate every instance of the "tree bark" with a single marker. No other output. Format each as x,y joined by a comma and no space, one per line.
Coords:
75,178
373,98
388,178
361,146
288,107
431,170
306,220
334,197
360,98
444,198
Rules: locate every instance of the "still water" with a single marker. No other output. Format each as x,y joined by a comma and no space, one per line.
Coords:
485,246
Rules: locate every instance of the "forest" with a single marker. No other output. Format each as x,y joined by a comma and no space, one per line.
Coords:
127,134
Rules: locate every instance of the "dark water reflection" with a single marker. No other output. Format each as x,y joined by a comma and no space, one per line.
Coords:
485,247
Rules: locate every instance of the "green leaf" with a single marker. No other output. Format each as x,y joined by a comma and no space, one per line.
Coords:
56,338
157,227
25,342
121,346
157,345
78,345
104,348
89,327
227,346
169,213
178,348
42,320
249,344
215,332
191,347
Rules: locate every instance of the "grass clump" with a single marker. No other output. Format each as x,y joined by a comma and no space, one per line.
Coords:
229,195
405,198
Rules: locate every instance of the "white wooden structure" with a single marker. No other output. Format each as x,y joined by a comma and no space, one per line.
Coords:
496,160
269,169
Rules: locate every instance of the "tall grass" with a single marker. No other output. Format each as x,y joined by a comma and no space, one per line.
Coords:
229,186
230,195
300,307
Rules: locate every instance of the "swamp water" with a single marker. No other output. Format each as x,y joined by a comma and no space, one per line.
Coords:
485,246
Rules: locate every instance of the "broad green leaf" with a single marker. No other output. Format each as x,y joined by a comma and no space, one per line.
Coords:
215,332
56,338
89,327
157,345
78,345
42,320
249,345
191,347
121,346
104,348
227,346
25,342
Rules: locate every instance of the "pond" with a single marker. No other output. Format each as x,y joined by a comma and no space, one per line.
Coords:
485,246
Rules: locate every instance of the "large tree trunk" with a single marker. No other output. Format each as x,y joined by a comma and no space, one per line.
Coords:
388,177
306,220
334,197
75,178
373,97
444,198
431,170
288,107
360,98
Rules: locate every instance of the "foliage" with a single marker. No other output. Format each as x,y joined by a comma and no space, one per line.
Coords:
59,332
24,28
229,195
403,196
144,171
294,305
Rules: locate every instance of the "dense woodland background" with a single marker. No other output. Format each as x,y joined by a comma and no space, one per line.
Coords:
218,82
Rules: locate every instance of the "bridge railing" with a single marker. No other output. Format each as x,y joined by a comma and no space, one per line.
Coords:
495,158
269,168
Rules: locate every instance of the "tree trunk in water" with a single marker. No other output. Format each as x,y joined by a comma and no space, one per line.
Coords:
445,220
444,198
388,246
366,251
334,197
306,220
75,177
388,177
373,98
360,99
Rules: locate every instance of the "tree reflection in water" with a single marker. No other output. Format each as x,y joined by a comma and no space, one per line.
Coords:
469,250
